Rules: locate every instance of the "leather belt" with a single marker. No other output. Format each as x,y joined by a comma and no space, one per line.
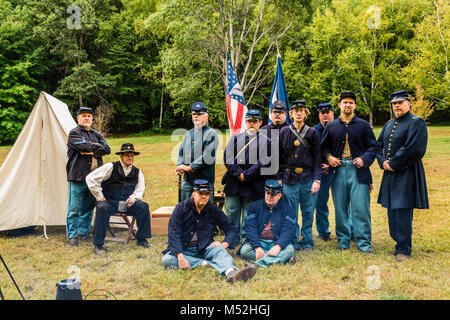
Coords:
296,169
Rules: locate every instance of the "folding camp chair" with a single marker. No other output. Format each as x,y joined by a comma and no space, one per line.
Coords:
127,222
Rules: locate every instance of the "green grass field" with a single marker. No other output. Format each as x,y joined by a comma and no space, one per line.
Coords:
131,272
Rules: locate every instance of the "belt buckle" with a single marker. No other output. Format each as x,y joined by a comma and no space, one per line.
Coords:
298,170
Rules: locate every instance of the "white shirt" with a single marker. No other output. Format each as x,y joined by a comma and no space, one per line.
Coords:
95,178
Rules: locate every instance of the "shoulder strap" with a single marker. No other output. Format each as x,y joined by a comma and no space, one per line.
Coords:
240,151
301,136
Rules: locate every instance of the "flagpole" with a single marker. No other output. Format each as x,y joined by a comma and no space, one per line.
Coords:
278,50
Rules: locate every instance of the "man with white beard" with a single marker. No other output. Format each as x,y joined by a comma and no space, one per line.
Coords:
197,153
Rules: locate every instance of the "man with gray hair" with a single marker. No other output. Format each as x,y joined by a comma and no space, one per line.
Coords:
85,149
197,153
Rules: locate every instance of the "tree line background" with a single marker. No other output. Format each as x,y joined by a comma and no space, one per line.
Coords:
142,63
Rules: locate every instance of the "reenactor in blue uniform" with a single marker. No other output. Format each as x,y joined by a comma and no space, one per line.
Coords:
300,170
326,115
191,236
247,159
197,153
270,228
278,117
349,146
402,144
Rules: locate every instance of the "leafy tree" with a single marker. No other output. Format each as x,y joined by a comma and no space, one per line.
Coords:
355,45
430,64
69,28
22,68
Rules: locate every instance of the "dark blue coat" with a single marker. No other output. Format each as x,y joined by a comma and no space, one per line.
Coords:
403,142
267,129
362,144
198,150
185,221
282,218
320,128
299,156
82,140
250,162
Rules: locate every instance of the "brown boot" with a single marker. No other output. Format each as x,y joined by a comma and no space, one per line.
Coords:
242,275
402,257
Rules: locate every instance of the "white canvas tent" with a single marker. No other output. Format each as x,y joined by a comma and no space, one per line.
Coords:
33,179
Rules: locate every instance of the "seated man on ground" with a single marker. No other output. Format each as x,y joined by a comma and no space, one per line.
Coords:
191,236
114,182
270,229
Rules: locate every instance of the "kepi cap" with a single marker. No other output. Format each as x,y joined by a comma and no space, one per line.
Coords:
324,106
272,186
253,114
199,107
279,105
298,104
399,96
201,185
85,110
347,94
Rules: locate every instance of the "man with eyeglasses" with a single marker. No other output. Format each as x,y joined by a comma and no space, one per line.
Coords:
191,233
278,116
197,153
117,182
270,229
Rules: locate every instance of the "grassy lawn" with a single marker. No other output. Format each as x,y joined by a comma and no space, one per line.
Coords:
131,272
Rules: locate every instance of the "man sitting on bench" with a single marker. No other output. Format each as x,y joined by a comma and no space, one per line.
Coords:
115,182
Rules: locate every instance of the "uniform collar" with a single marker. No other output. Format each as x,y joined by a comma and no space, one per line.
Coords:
293,127
82,128
278,127
405,116
204,128
343,122
267,207
191,204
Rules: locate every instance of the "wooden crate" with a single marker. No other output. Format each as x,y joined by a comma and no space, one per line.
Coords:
160,220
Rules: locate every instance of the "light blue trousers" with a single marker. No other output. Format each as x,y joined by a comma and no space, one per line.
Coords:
217,257
236,210
80,205
248,253
300,193
322,222
346,190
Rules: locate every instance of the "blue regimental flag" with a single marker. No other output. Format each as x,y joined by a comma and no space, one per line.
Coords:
279,91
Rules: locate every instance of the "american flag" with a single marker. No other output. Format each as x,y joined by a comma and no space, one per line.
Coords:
236,108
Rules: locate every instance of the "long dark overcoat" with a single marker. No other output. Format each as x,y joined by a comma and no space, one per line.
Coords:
403,142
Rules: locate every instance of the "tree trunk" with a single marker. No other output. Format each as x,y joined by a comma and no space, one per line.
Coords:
161,108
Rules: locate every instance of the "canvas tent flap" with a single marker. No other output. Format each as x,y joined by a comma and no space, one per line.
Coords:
33,180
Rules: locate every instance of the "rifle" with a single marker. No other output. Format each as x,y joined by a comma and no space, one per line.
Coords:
179,188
